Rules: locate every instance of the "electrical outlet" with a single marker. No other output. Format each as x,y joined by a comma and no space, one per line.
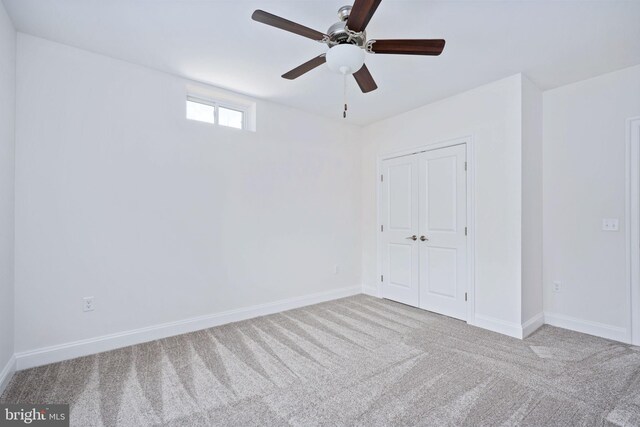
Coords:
610,224
87,304
336,269
557,285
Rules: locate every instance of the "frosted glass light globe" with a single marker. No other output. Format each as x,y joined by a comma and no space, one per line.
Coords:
345,58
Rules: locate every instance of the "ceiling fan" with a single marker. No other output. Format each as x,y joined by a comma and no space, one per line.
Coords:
347,41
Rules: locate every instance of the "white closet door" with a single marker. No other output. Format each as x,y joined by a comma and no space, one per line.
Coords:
442,216
400,246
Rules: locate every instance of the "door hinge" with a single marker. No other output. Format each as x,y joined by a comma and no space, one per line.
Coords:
465,165
381,278
382,228
465,231
465,296
381,178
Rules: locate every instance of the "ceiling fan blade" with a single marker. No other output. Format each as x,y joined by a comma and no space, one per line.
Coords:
361,14
305,68
285,24
365,80
409,47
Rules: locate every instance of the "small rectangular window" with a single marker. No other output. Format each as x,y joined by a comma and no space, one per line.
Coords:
230,117
200,111
210,111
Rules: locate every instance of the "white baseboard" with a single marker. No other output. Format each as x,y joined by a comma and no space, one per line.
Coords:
588,327
500,326
66,351
71,350
6,373
370,290
531,325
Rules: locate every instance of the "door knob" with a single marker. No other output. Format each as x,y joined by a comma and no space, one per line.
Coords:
414,238
423,238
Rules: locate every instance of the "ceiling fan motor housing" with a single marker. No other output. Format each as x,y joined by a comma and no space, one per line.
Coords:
338,33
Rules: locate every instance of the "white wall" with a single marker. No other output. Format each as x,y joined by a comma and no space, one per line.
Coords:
162,219
584,181
491,114
159,218
532,167
7,149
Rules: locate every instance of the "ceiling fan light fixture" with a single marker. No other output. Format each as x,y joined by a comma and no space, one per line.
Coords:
345,58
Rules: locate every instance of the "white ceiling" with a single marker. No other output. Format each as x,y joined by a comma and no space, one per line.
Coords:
215,41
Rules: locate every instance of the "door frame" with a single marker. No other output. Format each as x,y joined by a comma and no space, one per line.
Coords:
468,141
632,226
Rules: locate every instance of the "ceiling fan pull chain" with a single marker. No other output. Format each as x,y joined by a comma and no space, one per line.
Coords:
344,113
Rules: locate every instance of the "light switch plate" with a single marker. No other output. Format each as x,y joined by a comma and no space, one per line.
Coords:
610,224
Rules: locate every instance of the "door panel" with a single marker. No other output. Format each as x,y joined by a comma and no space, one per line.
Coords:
400,263
400,196
441,274
441,190
400,268
442,216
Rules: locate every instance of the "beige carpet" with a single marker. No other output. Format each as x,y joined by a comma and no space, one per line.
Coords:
355,361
